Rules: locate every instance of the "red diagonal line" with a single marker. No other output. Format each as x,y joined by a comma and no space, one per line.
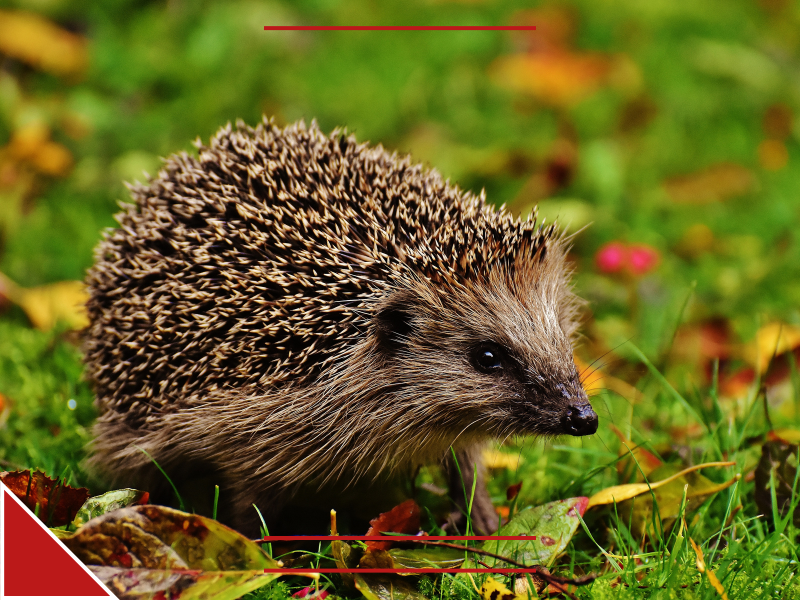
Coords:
397,538
399,28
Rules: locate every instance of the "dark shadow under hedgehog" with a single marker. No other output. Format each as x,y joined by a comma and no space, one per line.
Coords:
291,310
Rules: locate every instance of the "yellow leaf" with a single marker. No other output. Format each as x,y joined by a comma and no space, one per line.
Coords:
41,43
28,140
494,590
701,566
772,340
32,143
620,493
494,459
53,159
49,304
785,435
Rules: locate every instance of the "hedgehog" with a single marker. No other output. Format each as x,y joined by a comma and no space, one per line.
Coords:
293,311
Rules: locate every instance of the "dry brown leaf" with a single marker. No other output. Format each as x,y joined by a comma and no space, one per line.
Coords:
41,43
716,183
701,566
620,493
57,503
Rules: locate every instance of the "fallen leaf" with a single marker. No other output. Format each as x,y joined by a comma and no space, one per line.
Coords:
495,459
50,304
555,77
553,525
32,143
701,566
513,490
778,467
108,502
784,435
620,493
431,556
376,587
376,559
494,590
772,340
702,343
737,384
669,483
41,43
55,503
156,552
713,184
403,518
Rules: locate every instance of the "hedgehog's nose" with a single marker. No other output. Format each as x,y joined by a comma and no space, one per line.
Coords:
580,419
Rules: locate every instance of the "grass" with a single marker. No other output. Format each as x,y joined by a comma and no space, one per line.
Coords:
690,87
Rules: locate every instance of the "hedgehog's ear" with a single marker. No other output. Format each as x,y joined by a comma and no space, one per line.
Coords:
393,322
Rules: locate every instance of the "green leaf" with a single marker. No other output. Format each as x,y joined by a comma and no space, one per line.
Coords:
554,524
387,587
432,556
105,503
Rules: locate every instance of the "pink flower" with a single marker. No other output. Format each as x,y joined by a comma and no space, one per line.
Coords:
635,259
612,257
309,592
642,258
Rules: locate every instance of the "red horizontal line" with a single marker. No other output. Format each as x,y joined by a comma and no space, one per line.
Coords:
381,571
397,538
399,28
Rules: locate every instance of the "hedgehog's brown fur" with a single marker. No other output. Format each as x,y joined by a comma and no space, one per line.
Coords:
290,307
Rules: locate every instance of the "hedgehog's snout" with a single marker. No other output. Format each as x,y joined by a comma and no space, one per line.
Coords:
579,419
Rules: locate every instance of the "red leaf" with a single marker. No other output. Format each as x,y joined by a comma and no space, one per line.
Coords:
403,518
513,490
58,503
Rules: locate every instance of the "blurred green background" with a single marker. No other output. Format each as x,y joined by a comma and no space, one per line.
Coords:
669,128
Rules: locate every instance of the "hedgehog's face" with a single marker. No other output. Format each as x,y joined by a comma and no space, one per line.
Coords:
492,358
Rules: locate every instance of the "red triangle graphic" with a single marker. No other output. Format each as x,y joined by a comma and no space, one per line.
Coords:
35,564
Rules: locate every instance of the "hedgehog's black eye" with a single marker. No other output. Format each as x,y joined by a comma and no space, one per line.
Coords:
487,358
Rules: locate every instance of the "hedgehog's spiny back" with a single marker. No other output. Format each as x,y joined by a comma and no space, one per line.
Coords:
254,263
